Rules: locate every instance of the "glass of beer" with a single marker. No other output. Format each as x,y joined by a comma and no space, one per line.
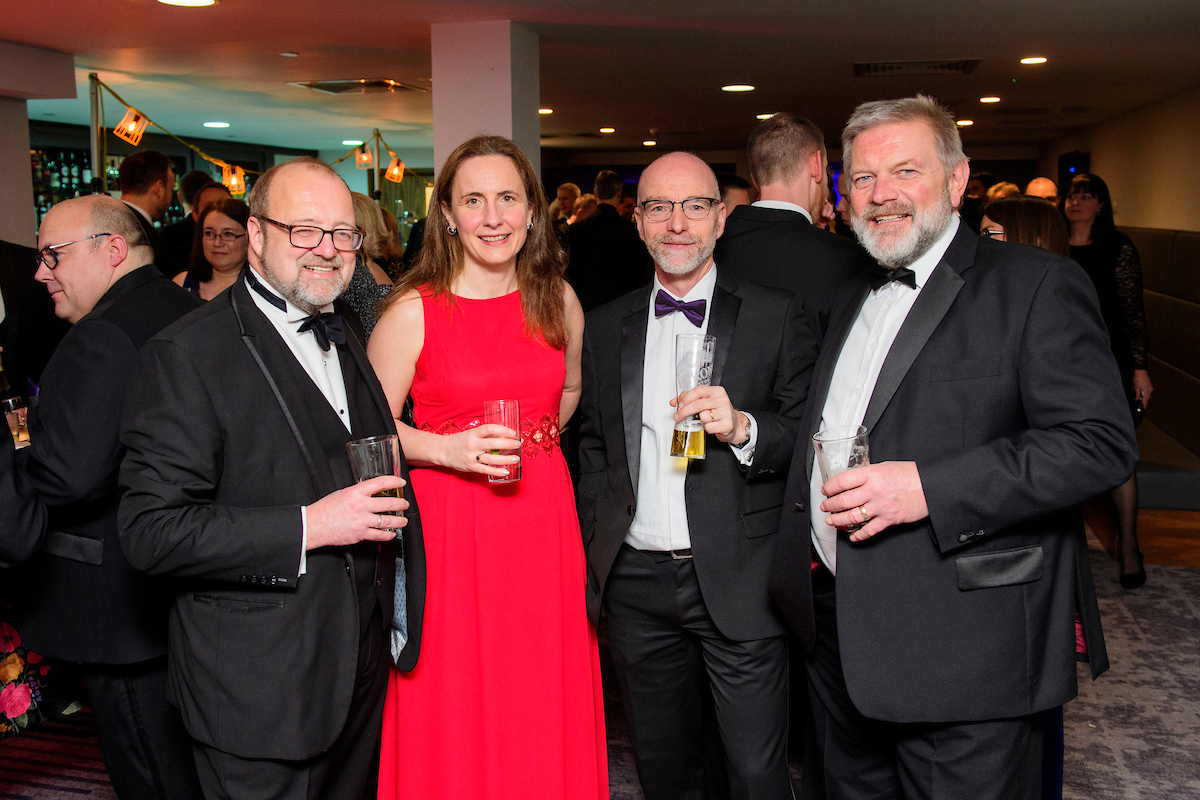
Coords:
693,367
373,457
508,414
18,423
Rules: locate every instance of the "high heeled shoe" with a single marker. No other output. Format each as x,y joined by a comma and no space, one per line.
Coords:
1135,580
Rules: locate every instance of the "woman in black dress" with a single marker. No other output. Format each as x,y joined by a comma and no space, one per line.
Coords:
1111,261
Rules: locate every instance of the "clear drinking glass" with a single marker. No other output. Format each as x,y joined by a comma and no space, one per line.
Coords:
18,422
840,449
373,457
508,414
693,367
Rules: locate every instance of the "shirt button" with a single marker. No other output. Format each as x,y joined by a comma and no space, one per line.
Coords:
858,391
871,346
889,302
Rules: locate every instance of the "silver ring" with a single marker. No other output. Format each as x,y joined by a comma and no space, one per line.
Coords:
379,521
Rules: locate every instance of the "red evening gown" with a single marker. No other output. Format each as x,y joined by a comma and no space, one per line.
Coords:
505,700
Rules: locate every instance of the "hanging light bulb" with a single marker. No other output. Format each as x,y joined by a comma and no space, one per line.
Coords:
237,181
363,159
395,170
132,126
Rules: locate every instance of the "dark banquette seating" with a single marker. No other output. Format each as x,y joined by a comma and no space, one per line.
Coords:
1169,466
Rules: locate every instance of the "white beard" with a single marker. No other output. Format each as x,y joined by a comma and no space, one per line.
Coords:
900,250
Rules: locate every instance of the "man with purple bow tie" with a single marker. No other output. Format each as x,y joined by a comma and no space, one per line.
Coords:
678,550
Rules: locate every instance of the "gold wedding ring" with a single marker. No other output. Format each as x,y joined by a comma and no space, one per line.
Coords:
863,510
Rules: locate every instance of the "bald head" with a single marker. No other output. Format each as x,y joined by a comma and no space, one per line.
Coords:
99,213
680,236
1043,188
674,168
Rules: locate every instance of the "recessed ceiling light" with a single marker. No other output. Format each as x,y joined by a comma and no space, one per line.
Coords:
737,87
764,116
989,99
962,123
290,55
545,111
216,124
188,3
352,142
608,130
1034,60
649,143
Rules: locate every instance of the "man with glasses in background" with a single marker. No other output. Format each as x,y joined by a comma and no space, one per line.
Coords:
240,490
677,549
78,598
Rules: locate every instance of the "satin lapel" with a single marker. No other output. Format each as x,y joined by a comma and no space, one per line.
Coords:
831,348
355,348
934,301
633,362
721,320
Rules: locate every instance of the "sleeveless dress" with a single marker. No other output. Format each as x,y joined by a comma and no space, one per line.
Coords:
505,700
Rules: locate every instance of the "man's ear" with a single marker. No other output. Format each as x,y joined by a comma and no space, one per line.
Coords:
959,177
117,250
256,236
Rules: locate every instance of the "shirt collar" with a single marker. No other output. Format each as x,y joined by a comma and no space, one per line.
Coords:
290,314
139,210
703,290
782,205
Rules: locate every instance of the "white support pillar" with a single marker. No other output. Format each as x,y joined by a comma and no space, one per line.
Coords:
485,80
26,73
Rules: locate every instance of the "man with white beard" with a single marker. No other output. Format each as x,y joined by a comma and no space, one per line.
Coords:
994,407
678,549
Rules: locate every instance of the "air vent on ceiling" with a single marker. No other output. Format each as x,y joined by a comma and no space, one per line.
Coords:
360,86
899,69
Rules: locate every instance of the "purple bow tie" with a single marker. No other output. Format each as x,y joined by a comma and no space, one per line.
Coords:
665,304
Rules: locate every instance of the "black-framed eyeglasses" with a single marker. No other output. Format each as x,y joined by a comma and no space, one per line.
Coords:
224,236
694,208
48,255
993,233
1081,197
309,237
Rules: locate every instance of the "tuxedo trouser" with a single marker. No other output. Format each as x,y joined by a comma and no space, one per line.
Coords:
668,652
145,748
866,759
348,770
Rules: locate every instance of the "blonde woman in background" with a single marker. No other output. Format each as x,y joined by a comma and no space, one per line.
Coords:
370,283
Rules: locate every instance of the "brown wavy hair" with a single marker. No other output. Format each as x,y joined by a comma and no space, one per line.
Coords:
540,264
1030,220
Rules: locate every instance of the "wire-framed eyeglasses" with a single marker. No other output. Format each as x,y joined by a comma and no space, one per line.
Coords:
48,255
694,208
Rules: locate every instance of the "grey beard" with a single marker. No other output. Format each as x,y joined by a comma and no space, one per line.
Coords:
297,293
691,265
928,227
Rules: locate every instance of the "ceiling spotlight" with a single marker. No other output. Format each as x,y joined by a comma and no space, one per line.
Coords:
737,87
188,3
608,130
962,123
649,143
545,111
216,124
989,99
1034,60
764,116
290,55
352,142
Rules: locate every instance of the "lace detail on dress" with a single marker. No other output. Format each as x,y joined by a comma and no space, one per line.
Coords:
537,435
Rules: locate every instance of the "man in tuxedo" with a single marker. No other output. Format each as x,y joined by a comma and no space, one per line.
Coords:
147,183
77,597
607,259
178,236
678,550
994,407
773,241
288,574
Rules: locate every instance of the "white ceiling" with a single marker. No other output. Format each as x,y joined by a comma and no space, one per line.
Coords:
645,67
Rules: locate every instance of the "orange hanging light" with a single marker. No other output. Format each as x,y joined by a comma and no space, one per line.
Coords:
132,126
237,181
363,159
395,170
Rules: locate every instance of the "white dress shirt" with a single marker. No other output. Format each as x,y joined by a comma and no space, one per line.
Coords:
660,522
857,369
323,367
782,205
139,210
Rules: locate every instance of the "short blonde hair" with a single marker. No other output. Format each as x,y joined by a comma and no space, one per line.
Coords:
369,219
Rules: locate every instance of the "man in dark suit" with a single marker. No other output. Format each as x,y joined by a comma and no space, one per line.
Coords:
78,597
607,259
773,241
678,550
994,407
147,183
288,592
177,237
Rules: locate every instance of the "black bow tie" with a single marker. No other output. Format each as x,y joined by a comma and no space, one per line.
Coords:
327,327
880,276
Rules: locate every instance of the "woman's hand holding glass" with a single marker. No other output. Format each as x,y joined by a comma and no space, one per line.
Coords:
471,450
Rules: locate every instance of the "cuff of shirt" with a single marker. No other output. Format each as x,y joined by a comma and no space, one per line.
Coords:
745,451
303,541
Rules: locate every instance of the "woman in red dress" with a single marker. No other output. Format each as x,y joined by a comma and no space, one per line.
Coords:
505,700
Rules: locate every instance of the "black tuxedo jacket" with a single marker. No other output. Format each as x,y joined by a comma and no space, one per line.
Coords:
1001,387
607,258
80,599
162,255
177,241
782,248
22,514
763,359
224,431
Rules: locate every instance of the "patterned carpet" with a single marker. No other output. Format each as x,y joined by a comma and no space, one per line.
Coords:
1133,734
